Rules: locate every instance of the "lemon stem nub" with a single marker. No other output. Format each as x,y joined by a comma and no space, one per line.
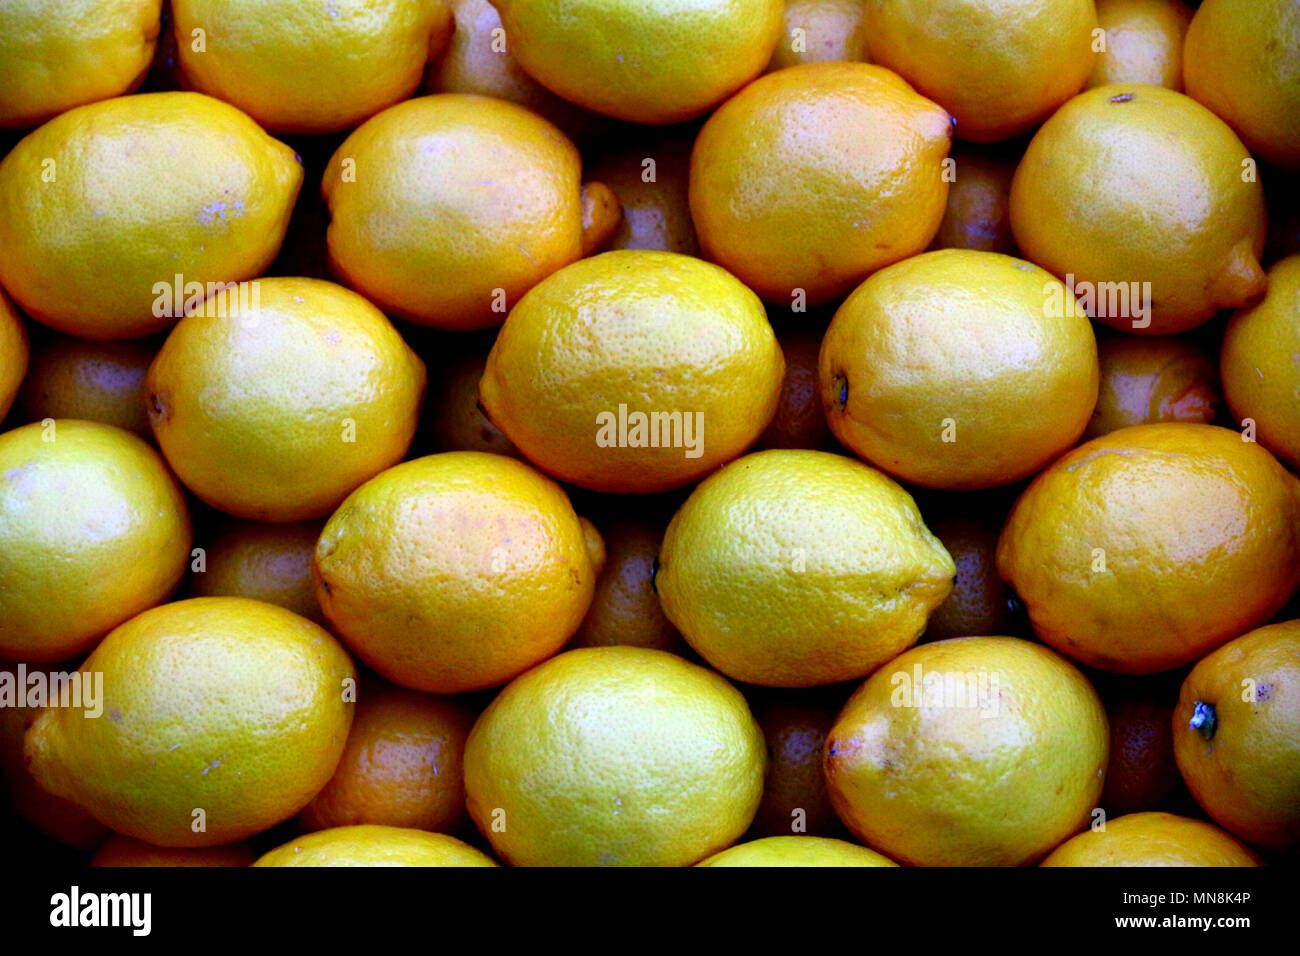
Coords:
841,387
1205,720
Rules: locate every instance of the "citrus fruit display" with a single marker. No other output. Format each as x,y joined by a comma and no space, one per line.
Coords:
797,851
1236,739
120,850
374,845
998,68
750,576
74,566
454,572
634,371
57,54
446,209
812,177
277,409
308,66
95,381
1145,549
987,751
259,560
1242,60
1157,240
1144,42
614,756
644,62
937,369
89,243
224,716
1261,374
1151,379
1152,839
818,31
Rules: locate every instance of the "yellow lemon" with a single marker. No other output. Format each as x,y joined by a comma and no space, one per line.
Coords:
977,751
1153,379
278,406
999,68
14,354
1145,549
797,851
308,66
95,381
1242,60
959,369
93,530
1158,239
117,212
659,62
1260,363
446,209
812,177
1144,42
1152,839
266,562
819,31
454,572
221,717
634,371
614,756
368,845
796,568
57,54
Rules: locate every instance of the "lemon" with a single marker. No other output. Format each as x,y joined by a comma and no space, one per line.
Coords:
374,846
308,66
976,751
279,405
93,530
93,245
1152,839
57,54
266,562
651,181
454,572
953,370
1152,379
14,354
796,568
797,851
614,756
978,214
1144,42
820,31
221,717
634,371
624,608
95,381
659,62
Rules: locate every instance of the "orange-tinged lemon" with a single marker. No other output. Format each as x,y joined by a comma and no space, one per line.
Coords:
795,725
1150,379
643,62
108,204
403,765
999,68
278,406
978,751
978,214
1142,773
978,602
120,850
95,381
634,371
308,66
1260,363
1159,238
454,572
799,421
93,530
259,560
812,177
959,369
797,851
1152,839
614,756
1237,735
446,209
797,568
368,845
651,181
1144,42
1242,60
15,352
57,54
1144,549
221,717
819,31
625,608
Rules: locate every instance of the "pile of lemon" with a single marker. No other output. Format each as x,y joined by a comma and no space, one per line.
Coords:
720,432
